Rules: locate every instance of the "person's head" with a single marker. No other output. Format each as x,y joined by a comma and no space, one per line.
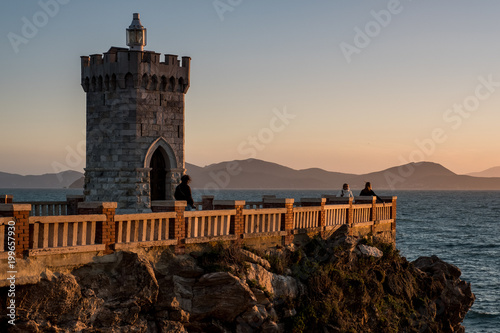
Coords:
368,186
345,187
185,179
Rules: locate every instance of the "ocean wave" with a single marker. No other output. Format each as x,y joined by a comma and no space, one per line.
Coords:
478,314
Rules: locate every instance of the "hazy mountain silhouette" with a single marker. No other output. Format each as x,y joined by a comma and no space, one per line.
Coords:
258,174
254,174
48,180
491,172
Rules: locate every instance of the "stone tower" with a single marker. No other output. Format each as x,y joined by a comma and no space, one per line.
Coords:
135,123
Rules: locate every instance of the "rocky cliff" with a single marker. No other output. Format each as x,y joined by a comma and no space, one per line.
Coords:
340,284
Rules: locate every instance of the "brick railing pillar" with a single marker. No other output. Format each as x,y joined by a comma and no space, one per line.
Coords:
350,213
287,222
179,229
72,201
105,231
237,222
322,214
6,198
374,209
207,202
20,214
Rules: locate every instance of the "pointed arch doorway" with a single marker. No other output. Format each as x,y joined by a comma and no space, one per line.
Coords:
158,176
161,162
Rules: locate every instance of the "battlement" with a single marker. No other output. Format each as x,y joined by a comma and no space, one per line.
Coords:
123,68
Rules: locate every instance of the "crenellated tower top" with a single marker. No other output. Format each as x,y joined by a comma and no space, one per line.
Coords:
115,68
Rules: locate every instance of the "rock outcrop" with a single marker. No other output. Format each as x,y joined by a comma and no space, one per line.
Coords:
333,285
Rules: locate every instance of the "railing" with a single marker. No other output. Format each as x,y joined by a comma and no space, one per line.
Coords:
63,231
104,230
262,220
208,223
336,215
48,208
383,212
361,213
147,227
306,217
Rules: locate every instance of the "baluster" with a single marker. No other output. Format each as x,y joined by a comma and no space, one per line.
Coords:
136,230
119,235
92,232
36,231
128,231
84,233
65,234
203,229
160,234
75,234
55,242
45,235
251,227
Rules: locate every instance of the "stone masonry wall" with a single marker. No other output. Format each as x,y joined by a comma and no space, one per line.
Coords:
133,100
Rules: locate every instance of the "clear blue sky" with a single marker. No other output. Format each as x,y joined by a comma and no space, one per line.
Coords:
411,86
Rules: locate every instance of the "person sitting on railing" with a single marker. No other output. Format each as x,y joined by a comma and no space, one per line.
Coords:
183,192
367,191
345,192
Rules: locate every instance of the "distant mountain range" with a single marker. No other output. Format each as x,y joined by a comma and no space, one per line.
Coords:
254,174
258,174
48,180
491,172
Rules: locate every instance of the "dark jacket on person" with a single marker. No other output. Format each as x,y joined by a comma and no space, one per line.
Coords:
183,192
368,193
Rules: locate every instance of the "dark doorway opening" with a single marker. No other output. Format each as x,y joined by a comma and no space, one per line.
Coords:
158,176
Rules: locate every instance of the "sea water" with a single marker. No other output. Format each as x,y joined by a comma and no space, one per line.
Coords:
462,228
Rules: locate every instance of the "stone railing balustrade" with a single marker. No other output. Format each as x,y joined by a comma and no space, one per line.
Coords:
306,217
62,231
258,221
97,227
143,228
336,215
208,223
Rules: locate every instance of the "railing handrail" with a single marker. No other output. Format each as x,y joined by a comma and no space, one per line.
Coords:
42,202
307,209
201,213
67,218
144,216
6,220
248,211
343,206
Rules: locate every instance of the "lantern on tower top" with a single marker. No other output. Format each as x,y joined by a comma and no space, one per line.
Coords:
136,34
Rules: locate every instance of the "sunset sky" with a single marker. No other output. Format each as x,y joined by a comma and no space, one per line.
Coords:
348,86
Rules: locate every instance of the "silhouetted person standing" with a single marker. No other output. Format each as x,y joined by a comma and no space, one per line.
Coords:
367,191
183,192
